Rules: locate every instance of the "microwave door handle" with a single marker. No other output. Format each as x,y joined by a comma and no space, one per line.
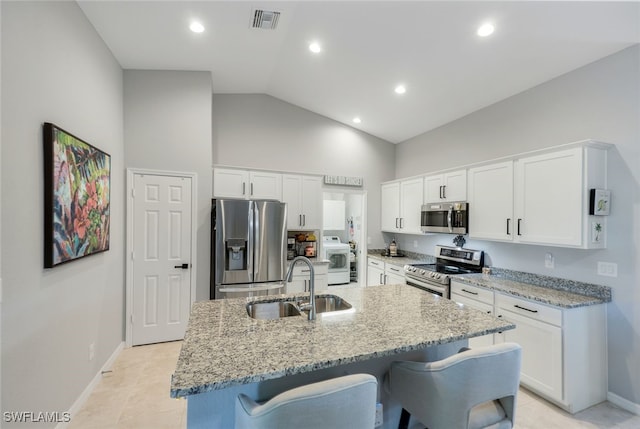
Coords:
449,213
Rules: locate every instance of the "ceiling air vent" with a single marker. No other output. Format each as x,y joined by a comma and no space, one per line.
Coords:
265,19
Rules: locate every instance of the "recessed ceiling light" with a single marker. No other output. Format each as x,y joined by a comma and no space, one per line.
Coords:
485,30
400,89
315,47
196,27
357,120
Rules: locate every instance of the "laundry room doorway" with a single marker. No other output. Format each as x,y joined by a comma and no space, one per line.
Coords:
344,217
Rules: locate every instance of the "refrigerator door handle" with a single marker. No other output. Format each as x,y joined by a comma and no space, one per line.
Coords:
253,239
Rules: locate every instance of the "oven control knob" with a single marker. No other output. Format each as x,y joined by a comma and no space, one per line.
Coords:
438,276
422,272
432,274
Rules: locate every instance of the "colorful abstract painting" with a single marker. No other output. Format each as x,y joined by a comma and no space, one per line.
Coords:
77,184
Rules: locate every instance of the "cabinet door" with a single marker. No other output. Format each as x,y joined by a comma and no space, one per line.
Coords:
433,188
541,353
411,194
549,198
291,188
491,202
391,278
265,185
455,186
390,202
321,283
311,201
230,183
375,276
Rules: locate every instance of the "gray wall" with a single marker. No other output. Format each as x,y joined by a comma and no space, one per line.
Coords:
55,68
167,126
259,131
599,101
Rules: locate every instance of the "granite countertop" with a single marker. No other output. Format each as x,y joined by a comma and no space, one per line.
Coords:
564,293
224,347
396,260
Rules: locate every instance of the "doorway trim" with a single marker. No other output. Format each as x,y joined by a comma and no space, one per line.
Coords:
131,172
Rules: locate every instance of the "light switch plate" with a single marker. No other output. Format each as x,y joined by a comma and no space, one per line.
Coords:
549,262
609,269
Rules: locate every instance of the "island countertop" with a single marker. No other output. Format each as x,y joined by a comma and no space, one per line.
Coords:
224,347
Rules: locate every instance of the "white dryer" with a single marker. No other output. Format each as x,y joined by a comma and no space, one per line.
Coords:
337,253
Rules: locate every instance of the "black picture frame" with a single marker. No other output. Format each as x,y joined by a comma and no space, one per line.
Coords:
77,187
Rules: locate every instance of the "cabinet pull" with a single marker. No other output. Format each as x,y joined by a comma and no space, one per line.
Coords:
525,309
394,269
381,279
519,220
244,186
440,195
508,225
304,220
304,271
444,192
470,292
300,219
401,222
375,263
396,222
251,188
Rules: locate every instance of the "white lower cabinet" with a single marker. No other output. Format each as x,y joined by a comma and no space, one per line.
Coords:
480,299
300,281
564,350
382,273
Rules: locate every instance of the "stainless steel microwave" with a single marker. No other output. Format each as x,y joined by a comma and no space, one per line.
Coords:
450,218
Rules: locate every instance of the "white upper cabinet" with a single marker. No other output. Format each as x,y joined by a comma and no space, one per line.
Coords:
549,198
491,201
303,195
401,204
540,199
246,184
445,187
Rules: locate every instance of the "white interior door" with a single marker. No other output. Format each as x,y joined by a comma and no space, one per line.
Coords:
161,259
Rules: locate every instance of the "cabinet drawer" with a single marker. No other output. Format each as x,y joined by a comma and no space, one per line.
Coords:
394,269
472,292
472,303
372,262
529,309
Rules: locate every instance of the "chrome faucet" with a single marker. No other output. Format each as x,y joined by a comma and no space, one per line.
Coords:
312,300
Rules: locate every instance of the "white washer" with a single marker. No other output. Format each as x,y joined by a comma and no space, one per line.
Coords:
337,253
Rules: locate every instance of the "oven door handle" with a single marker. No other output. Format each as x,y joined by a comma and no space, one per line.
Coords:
449,214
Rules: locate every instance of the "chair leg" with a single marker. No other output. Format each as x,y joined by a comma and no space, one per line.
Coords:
404,419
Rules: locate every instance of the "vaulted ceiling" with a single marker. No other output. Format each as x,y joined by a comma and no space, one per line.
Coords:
367,49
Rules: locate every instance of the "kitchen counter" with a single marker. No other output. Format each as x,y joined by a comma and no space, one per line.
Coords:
224,347
547,290
400,261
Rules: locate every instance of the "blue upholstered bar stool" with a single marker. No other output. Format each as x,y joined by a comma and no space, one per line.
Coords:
345,402
476,388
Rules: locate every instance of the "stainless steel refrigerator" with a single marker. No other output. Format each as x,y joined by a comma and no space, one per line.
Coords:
249,245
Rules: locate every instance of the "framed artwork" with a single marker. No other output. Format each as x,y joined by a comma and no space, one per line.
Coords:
77,182
599,202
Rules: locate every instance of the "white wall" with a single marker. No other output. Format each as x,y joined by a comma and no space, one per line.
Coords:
599,101
167,126
55,68
259,131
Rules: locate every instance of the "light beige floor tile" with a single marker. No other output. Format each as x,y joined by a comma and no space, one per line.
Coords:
136,395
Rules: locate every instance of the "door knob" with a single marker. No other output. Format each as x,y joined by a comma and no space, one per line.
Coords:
183,266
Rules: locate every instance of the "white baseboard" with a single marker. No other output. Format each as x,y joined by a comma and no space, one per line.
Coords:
82,399
625,404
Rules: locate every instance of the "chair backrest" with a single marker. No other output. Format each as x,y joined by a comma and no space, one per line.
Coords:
343,402
441,394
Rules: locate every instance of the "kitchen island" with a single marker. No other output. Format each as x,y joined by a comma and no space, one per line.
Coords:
225,352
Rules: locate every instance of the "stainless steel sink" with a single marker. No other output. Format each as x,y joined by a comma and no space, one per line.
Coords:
279,309
272,310
326,303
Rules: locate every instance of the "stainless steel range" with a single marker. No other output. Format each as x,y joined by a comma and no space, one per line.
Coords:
435,278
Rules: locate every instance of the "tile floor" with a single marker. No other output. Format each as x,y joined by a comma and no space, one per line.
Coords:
136,395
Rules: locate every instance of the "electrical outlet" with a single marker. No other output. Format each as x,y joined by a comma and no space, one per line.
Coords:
92,351
379,420
609,269
549,262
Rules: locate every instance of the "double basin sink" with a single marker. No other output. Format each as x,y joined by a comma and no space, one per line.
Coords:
266,310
